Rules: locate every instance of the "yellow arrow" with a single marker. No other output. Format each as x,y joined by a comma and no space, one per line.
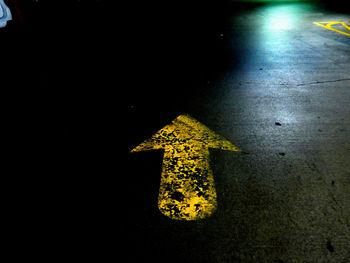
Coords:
187,190
329,25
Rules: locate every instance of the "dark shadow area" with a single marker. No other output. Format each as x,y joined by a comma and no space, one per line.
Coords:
335,6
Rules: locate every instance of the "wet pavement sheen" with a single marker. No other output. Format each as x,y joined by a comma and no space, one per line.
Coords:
277,86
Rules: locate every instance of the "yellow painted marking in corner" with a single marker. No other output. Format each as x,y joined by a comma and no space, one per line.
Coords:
187,189
329,25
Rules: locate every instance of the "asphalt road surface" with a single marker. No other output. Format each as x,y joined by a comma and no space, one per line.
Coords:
213,77
277,86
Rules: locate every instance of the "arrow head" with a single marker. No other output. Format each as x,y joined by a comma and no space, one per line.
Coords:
185,130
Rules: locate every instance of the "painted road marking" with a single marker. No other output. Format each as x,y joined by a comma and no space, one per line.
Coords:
187,189
329,25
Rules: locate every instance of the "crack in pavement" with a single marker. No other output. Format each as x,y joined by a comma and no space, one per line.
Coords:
320,82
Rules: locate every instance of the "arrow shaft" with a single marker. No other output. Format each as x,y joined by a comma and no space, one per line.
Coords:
187,189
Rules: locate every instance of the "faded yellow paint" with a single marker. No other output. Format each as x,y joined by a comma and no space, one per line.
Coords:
187,188
329,25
